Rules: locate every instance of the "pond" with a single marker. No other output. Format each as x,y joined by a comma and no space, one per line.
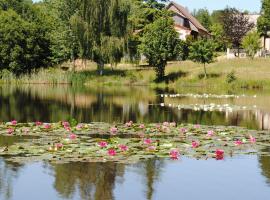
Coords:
236,177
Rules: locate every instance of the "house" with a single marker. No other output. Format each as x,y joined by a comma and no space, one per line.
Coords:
186,24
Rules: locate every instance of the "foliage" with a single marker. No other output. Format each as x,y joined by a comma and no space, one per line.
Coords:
251,43
231,77
263,23
160,44
235,25
204,17
217,33
202,51
24,45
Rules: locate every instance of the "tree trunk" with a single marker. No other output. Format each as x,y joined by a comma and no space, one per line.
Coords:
100,65
205,74
160,72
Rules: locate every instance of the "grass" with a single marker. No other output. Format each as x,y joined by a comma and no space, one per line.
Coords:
246,73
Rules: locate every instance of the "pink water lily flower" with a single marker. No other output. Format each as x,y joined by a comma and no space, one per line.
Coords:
142,126
59,145
183,130
252,139
219,154
72,136
47,126
38,123
10,131
147,141
197,126
123,147
13,122
113,130
67,128
103,144
210,133
174,154
79,126
195,144
129,124
151,148
238,142
65,123
111,152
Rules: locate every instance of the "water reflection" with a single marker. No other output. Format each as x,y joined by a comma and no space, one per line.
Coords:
120,104
151,179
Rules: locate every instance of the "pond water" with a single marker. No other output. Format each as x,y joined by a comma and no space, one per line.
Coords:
240,177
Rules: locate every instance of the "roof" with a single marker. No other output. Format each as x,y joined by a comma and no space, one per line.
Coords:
184,12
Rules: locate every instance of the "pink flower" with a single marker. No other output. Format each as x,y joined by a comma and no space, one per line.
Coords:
238,142
142,126
129,124
195,144
147,141
219,154
47,126
111,152
210,133
174,154
123,147
13,122
103,144
151,148
65,123
158,126
173,124
67,128
72,136
59,145
197,126
38,123
166,124
113,130
183,130
10,131
79,126
252,139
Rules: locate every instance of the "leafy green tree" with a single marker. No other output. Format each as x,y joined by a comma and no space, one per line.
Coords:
99,25
202,51
159,44
204,17
251,43
23,44
264,20
218,37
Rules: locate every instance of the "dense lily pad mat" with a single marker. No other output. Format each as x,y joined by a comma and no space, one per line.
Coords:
127,143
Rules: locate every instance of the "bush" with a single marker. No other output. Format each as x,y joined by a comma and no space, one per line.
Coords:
231,77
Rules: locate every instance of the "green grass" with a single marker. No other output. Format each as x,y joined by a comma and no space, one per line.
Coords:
248,74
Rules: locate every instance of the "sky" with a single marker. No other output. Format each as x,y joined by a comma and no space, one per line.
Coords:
250,5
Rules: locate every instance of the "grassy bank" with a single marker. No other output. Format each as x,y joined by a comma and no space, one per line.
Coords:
236,73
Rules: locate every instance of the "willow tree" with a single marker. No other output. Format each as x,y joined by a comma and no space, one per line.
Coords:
101,27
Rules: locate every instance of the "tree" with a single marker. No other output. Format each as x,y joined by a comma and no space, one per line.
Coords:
160,44
202,51
263,23
217,33
235,25
23,46
251,43
99,25
204,17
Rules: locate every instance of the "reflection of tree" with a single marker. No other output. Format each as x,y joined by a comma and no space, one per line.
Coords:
8,172
264,161
93,180
153,168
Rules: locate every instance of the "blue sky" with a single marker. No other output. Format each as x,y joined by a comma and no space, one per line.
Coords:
250,5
